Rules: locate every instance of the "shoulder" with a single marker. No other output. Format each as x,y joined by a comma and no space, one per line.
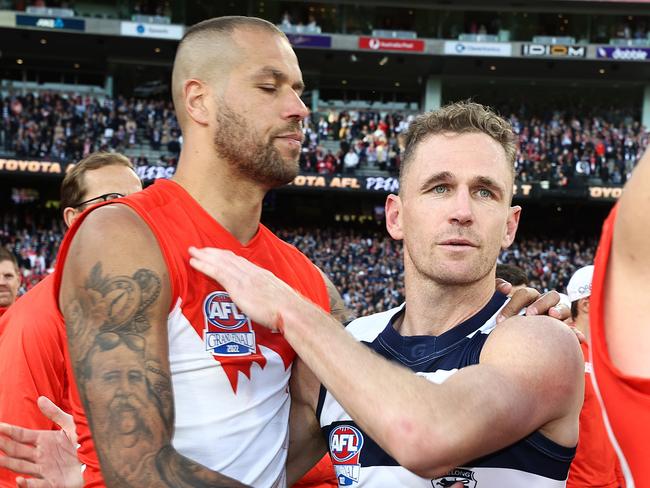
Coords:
116,220
367,328
540,360
113,233
538,349
111,241
541,334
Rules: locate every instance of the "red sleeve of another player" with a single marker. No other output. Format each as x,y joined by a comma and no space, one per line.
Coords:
31,361
31,365
320,476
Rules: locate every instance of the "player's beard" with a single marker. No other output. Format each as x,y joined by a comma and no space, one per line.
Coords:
237,142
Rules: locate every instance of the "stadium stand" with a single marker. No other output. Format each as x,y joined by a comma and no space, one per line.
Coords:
564,147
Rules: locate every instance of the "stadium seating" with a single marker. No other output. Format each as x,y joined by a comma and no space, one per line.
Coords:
562,147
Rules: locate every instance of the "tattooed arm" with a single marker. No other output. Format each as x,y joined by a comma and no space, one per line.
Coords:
115,296
338,309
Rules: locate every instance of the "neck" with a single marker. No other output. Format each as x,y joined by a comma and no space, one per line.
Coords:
434,308
232,200
582,324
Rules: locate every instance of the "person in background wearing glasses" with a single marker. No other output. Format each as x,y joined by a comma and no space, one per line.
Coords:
32,332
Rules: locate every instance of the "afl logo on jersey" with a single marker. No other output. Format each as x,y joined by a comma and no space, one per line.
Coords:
464,476
228,332
345,445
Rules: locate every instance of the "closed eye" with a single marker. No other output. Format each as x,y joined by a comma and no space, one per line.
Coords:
268,88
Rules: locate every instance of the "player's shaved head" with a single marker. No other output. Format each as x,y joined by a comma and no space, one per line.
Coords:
208,51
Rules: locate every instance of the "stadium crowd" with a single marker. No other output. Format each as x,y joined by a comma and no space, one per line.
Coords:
560,146
563,147
56,127
364,263
34,238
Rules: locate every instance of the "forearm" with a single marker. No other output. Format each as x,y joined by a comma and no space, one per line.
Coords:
167,468
178,471
387,401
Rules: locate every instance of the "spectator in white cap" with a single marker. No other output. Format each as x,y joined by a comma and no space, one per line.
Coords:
579,291
595,463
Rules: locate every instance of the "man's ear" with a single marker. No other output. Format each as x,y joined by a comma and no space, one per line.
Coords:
70,215
394,217
514,213
195,96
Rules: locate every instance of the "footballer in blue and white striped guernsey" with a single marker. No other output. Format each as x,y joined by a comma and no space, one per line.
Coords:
533,462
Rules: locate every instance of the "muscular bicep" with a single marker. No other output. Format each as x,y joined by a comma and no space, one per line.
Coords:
115,296
632,227
625,302
529,377
522,383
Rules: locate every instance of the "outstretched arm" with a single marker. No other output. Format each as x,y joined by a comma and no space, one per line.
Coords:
115,296
626,303
530,377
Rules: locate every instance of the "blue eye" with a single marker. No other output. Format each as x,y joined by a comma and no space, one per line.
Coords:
439,189
485,193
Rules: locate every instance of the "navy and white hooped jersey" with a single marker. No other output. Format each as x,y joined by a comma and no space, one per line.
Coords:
533,462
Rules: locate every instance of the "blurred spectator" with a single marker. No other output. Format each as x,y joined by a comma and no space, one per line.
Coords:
514,275
287,24
365,265
350,161
567,147
160,8
549,263
9,279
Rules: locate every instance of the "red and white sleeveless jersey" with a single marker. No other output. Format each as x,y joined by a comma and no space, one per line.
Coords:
230,376
625,399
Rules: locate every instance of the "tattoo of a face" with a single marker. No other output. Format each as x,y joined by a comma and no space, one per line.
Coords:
127,394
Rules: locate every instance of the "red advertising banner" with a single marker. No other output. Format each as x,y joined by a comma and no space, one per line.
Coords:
389,44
